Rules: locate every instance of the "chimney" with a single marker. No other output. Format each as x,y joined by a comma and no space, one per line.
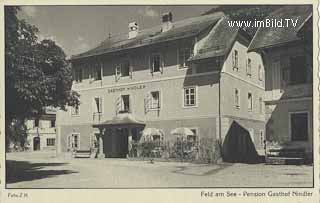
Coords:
133,30
166,21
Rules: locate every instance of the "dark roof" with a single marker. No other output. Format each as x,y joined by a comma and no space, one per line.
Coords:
181,29
123,119
266,37
218,42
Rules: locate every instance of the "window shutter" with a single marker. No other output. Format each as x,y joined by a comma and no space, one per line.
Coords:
233,60
159,100
100,104
147,103
130,104
118,104
151,64
117,75
161,64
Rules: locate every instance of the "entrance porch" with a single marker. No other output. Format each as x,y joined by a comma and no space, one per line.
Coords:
115,136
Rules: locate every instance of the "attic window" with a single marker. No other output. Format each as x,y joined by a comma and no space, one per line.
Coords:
183,56
155,63
235,62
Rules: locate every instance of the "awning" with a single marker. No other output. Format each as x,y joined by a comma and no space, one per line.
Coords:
148,133
121,120
182,132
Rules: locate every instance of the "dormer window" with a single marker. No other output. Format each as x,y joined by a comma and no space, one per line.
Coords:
248,68
155,63
235,62
123,70
183,56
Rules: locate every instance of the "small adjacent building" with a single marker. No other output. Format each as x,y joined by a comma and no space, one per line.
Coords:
194,73
41,131
288,60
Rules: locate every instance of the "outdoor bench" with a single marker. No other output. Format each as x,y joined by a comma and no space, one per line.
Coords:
81,154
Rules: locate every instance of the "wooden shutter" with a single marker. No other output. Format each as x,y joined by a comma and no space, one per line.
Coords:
147,103
233,60
151,64
100,104
118,105
117,72
161,63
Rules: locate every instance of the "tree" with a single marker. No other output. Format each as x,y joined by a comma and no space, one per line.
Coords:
37,73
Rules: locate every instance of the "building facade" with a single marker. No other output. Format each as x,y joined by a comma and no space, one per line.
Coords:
195,74
41,131
289,66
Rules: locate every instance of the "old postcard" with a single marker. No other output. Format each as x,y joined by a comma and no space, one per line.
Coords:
109,101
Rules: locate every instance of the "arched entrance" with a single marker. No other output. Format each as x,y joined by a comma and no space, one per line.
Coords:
36,143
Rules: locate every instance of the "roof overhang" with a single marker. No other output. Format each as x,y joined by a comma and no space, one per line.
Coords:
121,120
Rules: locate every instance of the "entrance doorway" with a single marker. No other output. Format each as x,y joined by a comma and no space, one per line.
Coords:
116,143
299,126
36,143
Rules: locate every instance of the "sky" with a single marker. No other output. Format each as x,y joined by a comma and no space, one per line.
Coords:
77,29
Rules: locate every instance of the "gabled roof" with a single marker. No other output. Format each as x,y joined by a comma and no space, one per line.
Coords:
218,42
266,37
181,29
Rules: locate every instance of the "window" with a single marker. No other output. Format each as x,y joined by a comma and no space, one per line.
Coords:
155,63
250,101
190,96
123,70
36,123
125,104
155,100
297,70
260,72
75,110
78,75
235,62
97,105
237,98
248,68
52,123
261,138
51,141
75,141
183,56
260,105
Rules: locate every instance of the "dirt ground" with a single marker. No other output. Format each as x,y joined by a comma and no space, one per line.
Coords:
45,170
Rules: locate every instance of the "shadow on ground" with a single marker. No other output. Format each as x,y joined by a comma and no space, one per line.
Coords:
186,170
19,171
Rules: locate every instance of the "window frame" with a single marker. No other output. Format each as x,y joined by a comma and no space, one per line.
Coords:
249,67
196,99
250,101
49,144
122,110
151,66
260,73
184,66
235,60
151,107
237,104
